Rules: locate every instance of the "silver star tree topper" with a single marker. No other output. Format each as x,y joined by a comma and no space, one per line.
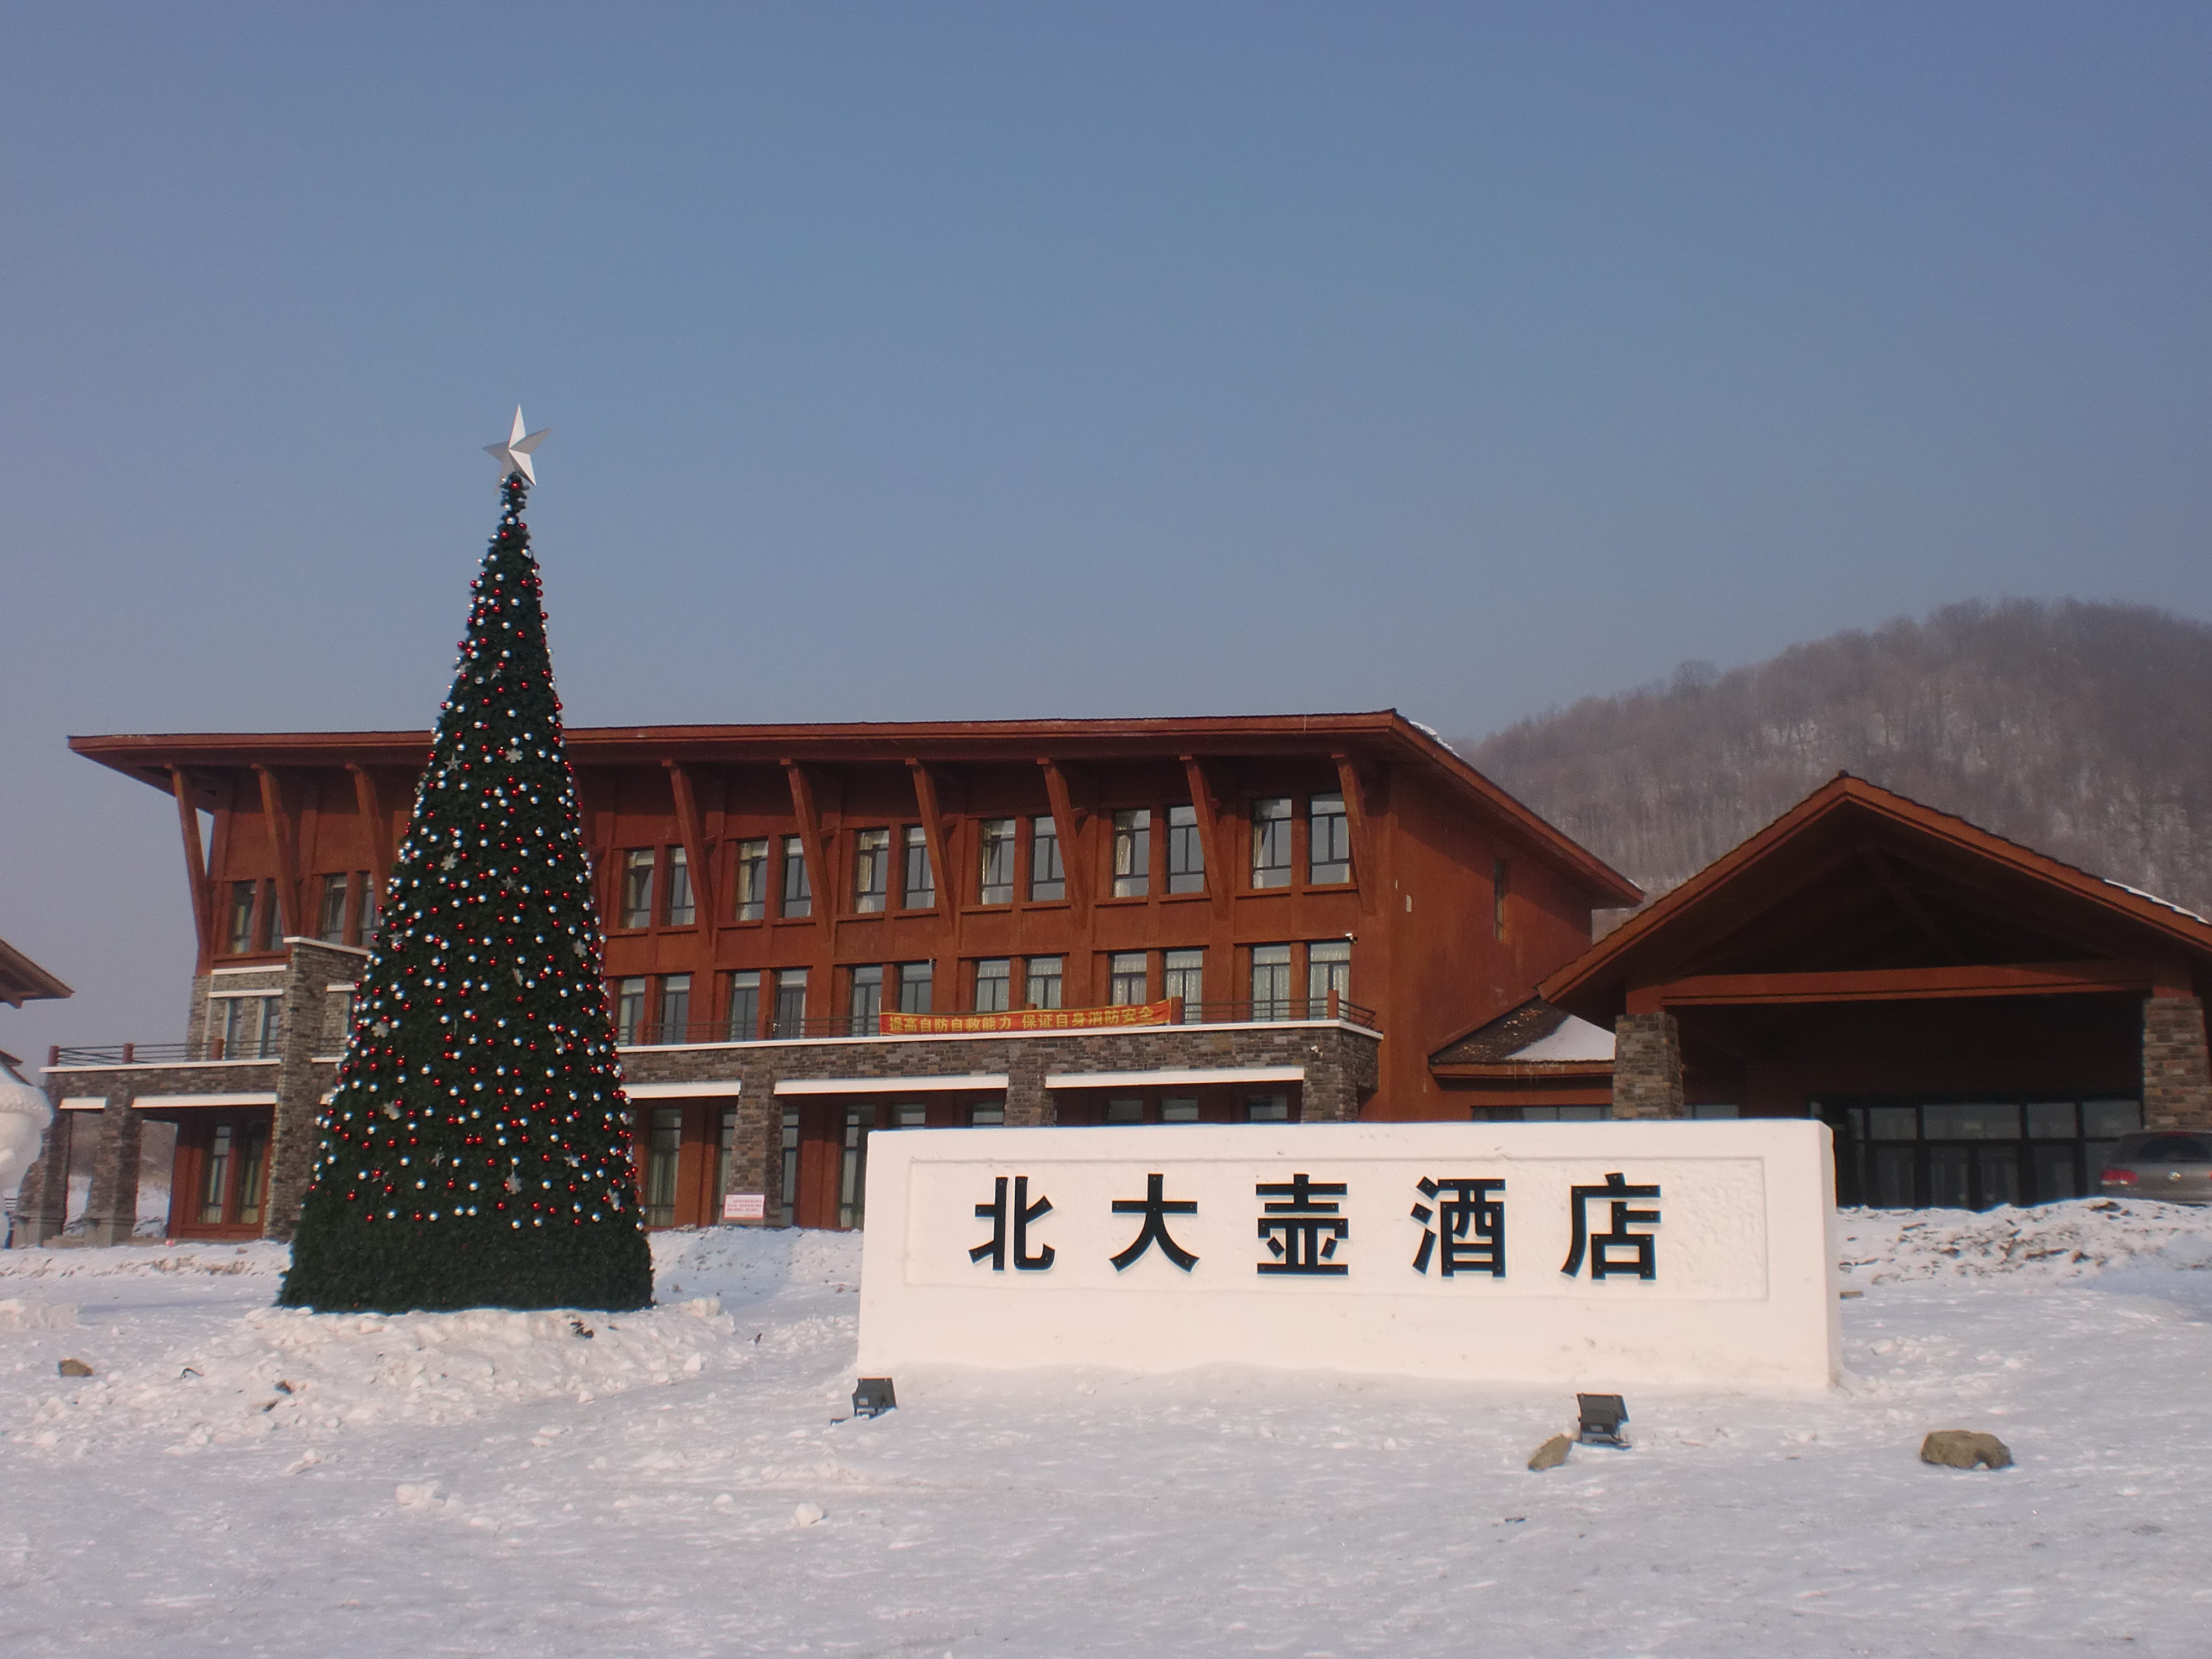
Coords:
513,455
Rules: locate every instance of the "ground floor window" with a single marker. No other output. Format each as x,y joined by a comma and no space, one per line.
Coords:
1972,1154
220,1175
1565,1113
664,1153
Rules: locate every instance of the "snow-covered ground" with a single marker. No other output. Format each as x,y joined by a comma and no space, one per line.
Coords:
502,1484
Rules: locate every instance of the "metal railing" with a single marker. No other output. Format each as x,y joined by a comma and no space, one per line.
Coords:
160,1053
1275,1012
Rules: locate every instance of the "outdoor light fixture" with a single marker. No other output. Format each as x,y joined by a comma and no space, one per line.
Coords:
873,1397
1602,1415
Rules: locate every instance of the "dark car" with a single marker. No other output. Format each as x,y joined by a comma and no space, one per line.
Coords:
2174,1169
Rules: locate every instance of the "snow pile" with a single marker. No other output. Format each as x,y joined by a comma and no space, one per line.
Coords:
260,1259
18,1314
2072,1239
274,1369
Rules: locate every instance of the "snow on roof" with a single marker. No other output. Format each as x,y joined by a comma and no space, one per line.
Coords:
1576,1039
2164,903
1431,733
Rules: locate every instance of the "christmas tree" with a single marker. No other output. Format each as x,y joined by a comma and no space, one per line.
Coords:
477,1151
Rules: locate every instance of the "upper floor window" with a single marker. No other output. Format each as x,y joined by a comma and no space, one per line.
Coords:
683,909
332,927
372,909
914,987
1047,875
1270,842
871,870
866,1006
745,1005
1329,969
994,978
675,1022
240,934
1183,974
1328,839
630,1010
1044,978
1186,851
1501,883
997,883
1271,981
919,889
752,879
797,892
270,929
1133,852
790,1002
246,1028
1127,979
636,907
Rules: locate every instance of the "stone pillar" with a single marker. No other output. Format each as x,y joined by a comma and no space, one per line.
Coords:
42,1201
309,971
1647,1067
756,1160
1028,1104
1337,1074
111,1213
2177,1078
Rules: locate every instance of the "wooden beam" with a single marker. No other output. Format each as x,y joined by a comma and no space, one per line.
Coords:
1205,801
932,833
1909,901
1074,858
1354,789
196,868
2011,979
289,921
376,829
810,840
695,850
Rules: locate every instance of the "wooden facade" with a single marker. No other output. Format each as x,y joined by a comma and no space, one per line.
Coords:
777,888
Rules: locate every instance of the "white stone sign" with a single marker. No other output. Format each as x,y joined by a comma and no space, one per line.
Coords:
1597,1254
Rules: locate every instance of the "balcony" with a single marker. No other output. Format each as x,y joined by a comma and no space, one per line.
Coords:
815,1029
162,1054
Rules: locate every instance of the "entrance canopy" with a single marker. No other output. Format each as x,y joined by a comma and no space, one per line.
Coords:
1866,947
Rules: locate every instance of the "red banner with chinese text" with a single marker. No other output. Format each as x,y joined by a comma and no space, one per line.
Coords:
1166,1012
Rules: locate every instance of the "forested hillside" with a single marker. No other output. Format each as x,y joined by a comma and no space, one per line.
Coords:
2082,729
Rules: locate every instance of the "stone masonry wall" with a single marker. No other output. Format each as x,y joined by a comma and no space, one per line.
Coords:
2177,1077
1647,1067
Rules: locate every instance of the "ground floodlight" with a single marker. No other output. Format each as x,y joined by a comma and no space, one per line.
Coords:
873,1397
1602,1415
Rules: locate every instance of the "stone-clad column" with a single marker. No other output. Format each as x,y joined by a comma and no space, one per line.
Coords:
111,1211
757,1159
1647,1067
1028,1104
42,1201
309,972
2177,1077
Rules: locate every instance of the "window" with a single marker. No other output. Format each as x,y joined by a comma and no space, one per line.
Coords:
252,1163
1270,842
246,1028
797,892
214,1184
241,917
1125,978
914,987
726,1155
1267,1108
913,1116
1184,976
865,1005
272,919
853,1171
993,977
790,1164
1271,981
1125,1109
997,868
675,1008
1133,852
664,1152
636,908
1044,988
1179,1108
683,910
372,908
1329,969
630,1010
332,930
1501,883
1048,876
987,1117
1186,851
871,870
1328,839
919,890
1565,1113
752,880
745,1005
790,1002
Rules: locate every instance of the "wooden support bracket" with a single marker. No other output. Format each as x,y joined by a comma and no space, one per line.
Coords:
195,867
289,919
1070,821
696,851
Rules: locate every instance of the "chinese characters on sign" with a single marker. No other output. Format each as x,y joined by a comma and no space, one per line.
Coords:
1462,1221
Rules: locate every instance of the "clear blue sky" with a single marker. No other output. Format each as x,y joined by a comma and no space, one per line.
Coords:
956,360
